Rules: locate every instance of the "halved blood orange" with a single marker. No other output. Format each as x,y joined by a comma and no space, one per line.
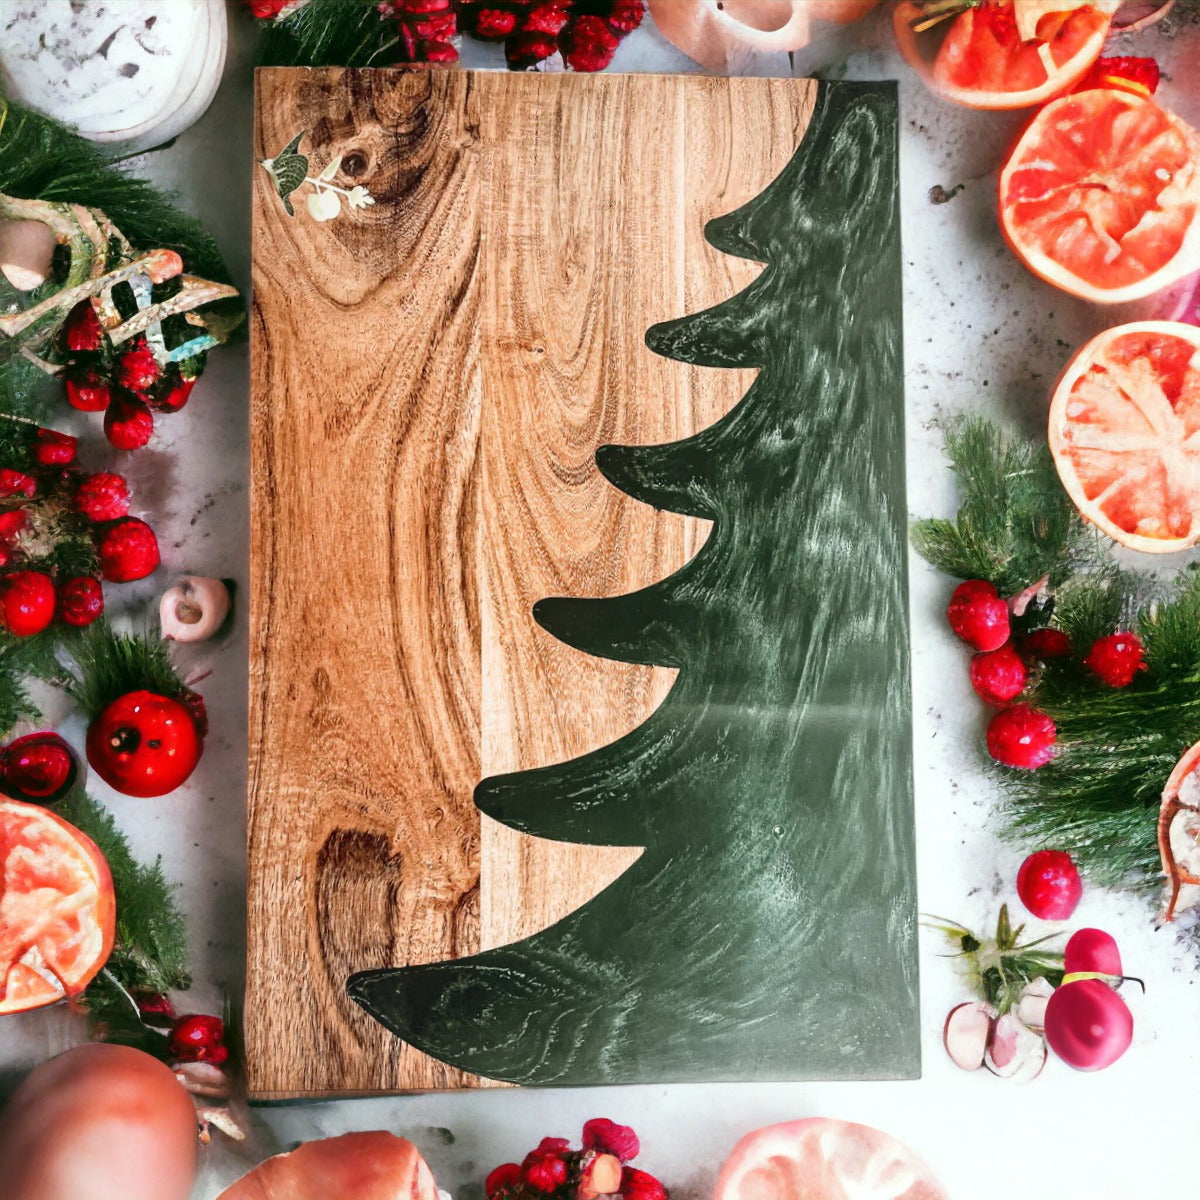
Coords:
1002,53
1125,434
1179,834
1101,196
57,910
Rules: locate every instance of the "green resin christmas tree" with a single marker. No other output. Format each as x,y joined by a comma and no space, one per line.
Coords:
768,930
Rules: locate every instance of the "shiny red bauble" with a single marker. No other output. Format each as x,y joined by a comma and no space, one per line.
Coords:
27,602
144,744
1049,885
199,1038
39,768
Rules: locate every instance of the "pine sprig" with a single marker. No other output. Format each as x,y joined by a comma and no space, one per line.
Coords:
23,660
1014,522
350,33
111,664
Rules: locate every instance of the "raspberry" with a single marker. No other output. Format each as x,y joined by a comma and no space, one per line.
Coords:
588,44
87,389
436,27
626,16
136,367
641,1185
54,449
610,1138
17,483
81,600
546,18
524,50
82,330
1021,737
129,422
102,497
978,615
127,550
174,395
492,24
545,1169
1116,659
439,52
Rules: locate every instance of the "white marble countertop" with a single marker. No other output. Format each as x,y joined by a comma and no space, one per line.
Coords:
981,333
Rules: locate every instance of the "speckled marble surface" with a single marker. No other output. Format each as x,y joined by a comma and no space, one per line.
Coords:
980,333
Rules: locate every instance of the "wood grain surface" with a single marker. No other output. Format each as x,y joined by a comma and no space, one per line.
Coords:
431,378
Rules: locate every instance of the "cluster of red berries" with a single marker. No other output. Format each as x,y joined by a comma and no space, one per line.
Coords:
196,1037
39,768
126,383
1018,735
600,1168
46,503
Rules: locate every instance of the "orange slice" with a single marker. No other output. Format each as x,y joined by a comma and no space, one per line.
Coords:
1002,53
1100,196
57,910
1125,434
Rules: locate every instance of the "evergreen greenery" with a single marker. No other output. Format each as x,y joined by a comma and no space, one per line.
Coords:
350,33
111,664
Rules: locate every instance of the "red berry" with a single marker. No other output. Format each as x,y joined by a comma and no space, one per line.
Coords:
137,369
128,423
978,615
17,483
492,24
587,44
26,603
626,15
174,395
545,1169
435,27
505,1176
144,744
127,550
1049,885
54,449
548,18
610,1138
1045,644
1021,737
80,601
641,1185
38,767
87,389
524,50
1088,1025
82,329
199,1038
1116,659
1092,950
998,676
102,497
438,52
12,521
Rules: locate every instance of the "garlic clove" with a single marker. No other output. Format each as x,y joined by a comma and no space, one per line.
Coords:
193,609
26,253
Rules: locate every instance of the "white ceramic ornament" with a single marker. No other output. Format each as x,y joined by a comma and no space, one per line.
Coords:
134,73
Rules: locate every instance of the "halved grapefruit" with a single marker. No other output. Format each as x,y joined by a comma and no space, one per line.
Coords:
1002,53
1179,834
1101,196
1125,434
826,1158
57,910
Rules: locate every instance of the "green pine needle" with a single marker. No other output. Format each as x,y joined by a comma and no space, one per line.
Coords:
111,664
1014,523
22,660
350,33
150,952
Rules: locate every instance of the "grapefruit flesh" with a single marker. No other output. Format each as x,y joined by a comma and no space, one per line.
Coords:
1100,196
57,910
1125,434
1004,53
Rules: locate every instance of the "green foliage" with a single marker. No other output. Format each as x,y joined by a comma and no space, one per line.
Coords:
21,660
348,33
1014,522
111,664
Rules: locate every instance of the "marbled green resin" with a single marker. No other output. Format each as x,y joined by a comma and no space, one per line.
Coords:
768,931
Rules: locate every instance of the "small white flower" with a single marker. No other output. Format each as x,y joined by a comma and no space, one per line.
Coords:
359,197
323,206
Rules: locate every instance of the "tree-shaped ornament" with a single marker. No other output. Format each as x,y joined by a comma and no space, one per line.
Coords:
768,929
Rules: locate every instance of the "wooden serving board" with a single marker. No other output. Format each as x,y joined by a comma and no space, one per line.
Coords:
432,375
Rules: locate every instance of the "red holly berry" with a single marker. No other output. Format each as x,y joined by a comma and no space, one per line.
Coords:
545,1169
127,550
587,44
1116,659
12,521
641,1185
136,368
80,601
492,24
102,497
610,1138
128,423
1049,885
199,1038
174,393
978,615
1042,645
26,603
524,50
1021,737
82,330
54,449
998,676
17,483
87,389
548,18
144,744
39,767
626,15
505,1176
